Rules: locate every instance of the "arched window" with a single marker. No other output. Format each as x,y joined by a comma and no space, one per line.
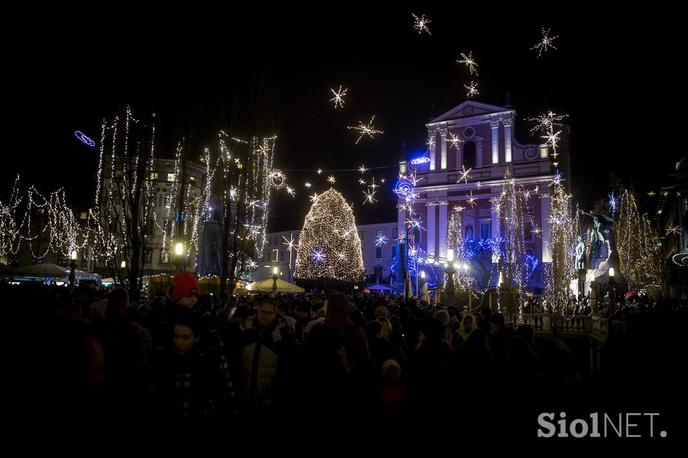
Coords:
468,233
469,155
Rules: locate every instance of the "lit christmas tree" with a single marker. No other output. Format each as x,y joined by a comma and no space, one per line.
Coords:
640,249
329,247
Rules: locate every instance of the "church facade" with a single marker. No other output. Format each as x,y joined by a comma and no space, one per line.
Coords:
469,150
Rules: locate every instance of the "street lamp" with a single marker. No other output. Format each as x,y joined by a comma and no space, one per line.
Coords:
72,266
275,275
179,253
123,265
612,292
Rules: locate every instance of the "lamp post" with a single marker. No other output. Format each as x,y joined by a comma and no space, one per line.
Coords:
72,266
612,292
179,253
275,276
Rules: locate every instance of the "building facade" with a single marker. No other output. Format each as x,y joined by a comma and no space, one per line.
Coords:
479,139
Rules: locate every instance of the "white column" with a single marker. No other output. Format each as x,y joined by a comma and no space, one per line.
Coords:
479,152
430,248
494,124
507,139
443,149
431,148
545,207
443,230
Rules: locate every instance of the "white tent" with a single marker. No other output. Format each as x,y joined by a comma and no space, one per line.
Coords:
40,270
265,286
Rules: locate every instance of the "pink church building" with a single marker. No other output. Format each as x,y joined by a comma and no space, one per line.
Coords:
481,138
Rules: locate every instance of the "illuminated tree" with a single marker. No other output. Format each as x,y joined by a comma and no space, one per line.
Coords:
329,247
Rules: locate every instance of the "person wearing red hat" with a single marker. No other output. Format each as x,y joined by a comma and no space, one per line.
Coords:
185,289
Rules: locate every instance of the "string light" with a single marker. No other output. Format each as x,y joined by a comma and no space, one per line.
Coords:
471,199
545,43
365,129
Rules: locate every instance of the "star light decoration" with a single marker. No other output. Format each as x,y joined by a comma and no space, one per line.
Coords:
290,191
369,197
331,179
314,197
362,169
307,184
613,202
318,255
471,199
338,98
545,43
469,62
471,89
361,181
455,140
464,174
421,24
365,129
380,239
673,230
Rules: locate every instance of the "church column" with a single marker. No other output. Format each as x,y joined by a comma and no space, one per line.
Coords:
431,147
443,149
443,229
545,207
507,139
479,152
430,248
494,124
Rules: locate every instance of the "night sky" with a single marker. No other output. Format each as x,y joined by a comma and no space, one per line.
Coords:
615,73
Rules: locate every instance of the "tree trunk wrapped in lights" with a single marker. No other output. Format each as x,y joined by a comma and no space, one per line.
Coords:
329,246
563,232
463,279
639,246
510,209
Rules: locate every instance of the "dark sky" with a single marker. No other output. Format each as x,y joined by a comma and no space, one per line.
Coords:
616,73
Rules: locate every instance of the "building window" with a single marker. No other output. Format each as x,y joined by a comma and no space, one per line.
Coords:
168,201
468,232
395,233
469,155
154,175
485,231
148,256
378,252
170,177
275,255
164,256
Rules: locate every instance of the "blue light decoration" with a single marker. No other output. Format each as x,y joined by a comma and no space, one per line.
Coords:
85,139
531,263
420,160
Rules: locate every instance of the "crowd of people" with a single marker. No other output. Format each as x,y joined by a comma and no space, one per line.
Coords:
181,359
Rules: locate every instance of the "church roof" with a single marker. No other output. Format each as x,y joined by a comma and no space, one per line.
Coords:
467,109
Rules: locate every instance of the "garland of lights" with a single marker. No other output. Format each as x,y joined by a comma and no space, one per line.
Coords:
329,246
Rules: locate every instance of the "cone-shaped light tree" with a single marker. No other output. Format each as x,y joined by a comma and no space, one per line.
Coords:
329,246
